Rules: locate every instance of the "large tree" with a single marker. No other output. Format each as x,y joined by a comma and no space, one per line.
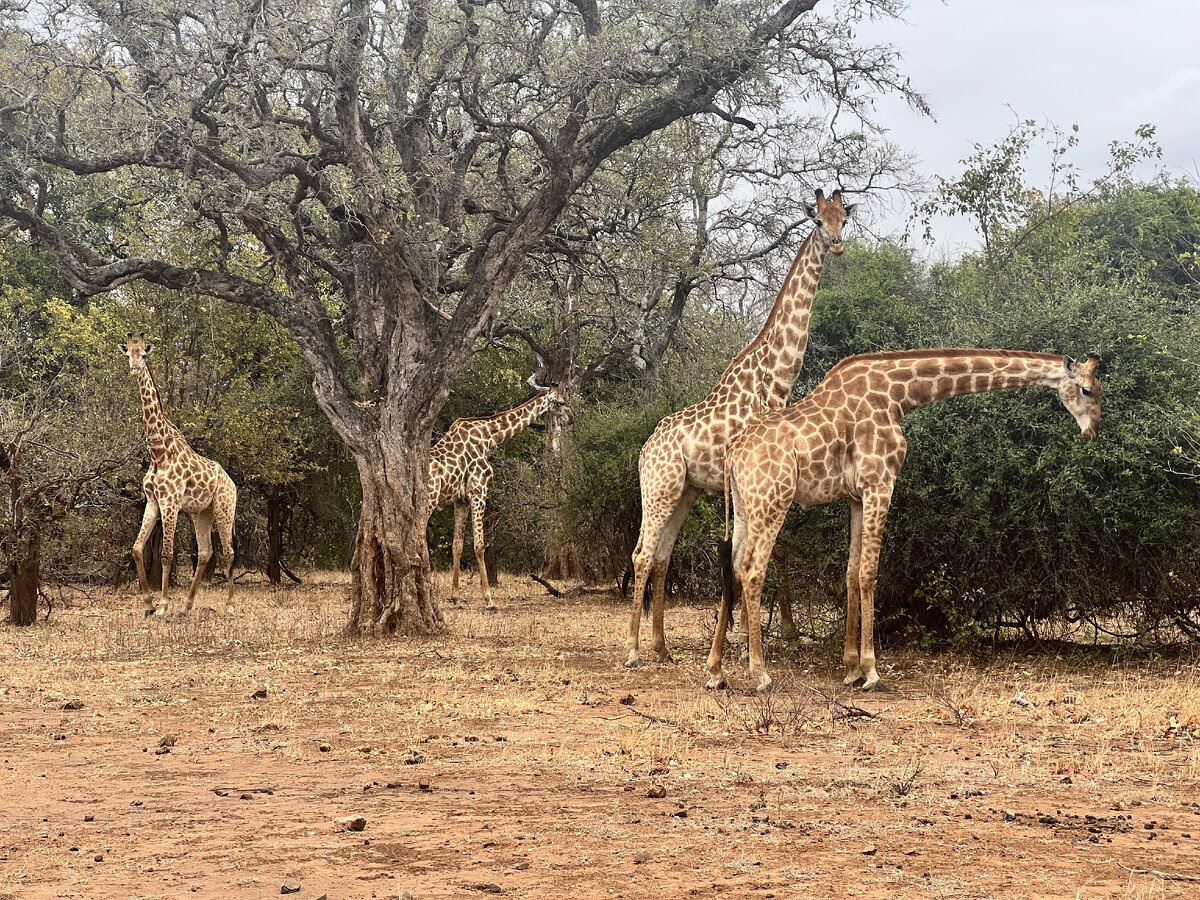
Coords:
392,163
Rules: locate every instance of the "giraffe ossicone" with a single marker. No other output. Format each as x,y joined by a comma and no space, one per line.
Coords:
460,473
179,480
686,453
845,440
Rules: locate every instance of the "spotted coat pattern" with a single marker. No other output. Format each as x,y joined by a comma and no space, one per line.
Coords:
179,480
460,473
686,453
844,440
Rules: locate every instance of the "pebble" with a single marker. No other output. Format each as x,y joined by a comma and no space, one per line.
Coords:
350,823
656,792
290,886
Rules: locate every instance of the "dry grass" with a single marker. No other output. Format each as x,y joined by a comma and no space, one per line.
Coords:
975,778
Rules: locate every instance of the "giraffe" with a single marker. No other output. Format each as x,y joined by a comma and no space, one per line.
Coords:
459,472
686,453
844,440
179,480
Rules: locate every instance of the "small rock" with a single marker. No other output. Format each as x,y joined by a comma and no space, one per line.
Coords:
260,694
1009,816
159,751
99,857
870,850
656,792
679,814
73,704
424,786
412,758
291,886
392,785
760,818
627,700
168,740
349,823
324,748
1020,700
522,866
488,888
641,857
89,818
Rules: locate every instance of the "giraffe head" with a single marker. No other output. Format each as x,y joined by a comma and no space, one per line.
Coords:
1079,390
556,399
137,349
830,217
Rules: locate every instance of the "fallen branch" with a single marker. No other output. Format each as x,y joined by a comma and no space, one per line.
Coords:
554,592
1166,876
840,710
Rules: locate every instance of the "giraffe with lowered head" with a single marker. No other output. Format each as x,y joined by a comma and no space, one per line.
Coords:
844,440
179,480
686,453
460,473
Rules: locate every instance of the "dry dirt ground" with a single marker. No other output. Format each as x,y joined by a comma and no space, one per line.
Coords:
513,755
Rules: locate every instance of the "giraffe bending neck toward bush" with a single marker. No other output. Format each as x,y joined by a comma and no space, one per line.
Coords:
460,473
179,480
686,453
844,440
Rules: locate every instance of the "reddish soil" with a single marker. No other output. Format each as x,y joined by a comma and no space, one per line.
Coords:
513,755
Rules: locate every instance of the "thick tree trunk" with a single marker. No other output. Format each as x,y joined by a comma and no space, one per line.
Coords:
392,589
24,578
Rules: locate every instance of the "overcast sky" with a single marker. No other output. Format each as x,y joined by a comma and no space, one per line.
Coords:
1108,65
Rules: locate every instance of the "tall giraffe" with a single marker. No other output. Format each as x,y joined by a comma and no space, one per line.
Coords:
686,453
459,472
844,440
179,480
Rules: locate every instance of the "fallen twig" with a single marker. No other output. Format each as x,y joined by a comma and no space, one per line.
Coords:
554,592
1166,876
840,710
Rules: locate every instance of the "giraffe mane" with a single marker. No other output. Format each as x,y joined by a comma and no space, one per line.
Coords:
975,352
772,316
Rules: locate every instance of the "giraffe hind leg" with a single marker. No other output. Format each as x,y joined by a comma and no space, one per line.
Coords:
149,520
658,573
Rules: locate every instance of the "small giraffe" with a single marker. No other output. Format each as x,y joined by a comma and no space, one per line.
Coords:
686,453
459,472
179,480
845,440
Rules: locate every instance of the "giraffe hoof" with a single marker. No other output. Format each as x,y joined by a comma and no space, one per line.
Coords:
148,613
877,687
765,685
491,609
852,680
634,662
717,683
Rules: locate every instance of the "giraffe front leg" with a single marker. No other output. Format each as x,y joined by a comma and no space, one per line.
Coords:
853,598
461,511
170,518
149,520
203,523
225,526
662,561
478,507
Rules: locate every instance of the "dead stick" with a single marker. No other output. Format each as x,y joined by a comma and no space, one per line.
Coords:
1167,876
554,592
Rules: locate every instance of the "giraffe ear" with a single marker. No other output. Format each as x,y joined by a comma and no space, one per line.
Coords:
1069,364
810,211
124,349
849,210
146,349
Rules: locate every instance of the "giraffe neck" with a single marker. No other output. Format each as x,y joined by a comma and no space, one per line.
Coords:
158,427
916,378
777,353
509,423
